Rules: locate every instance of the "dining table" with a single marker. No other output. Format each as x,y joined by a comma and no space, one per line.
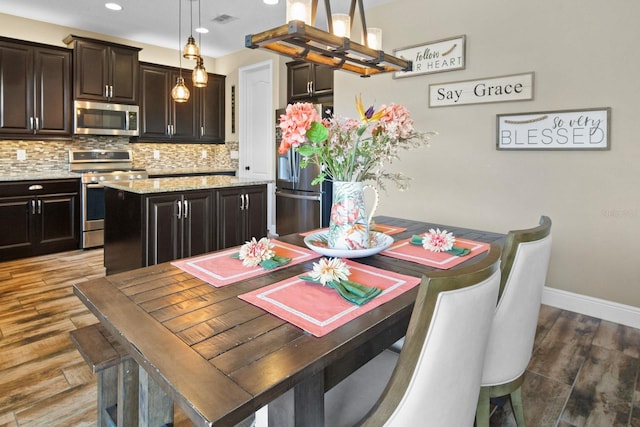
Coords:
220,358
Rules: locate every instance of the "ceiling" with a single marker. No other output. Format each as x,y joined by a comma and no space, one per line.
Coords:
155,22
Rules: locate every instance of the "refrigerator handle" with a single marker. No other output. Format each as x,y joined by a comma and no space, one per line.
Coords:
296,166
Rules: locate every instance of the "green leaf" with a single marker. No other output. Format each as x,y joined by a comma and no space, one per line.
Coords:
317,132
307,150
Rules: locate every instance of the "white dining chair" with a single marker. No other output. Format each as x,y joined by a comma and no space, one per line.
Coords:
525,259
435,380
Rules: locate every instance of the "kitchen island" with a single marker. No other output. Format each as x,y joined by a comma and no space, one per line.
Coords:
150,221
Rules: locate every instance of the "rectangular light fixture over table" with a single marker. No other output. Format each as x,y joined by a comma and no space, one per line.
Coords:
303,41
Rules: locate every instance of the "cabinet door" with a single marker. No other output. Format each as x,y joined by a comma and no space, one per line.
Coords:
212,109
256,212
298,80
185,113
16,89
124,71
322,80
155,100
163,233
57,222
52,69
197,223
229,221
15,235
91,71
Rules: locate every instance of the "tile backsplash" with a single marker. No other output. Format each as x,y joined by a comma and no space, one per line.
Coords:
45,156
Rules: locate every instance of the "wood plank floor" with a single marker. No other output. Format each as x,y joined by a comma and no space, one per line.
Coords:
584,371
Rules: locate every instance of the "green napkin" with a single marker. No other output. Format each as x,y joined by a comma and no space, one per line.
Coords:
269,264
353,292
456,250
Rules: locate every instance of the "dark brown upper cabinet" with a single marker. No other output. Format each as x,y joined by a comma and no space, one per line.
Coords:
35,95
306,81
199,120
105,72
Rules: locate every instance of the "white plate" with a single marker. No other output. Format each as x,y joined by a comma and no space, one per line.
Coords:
380,242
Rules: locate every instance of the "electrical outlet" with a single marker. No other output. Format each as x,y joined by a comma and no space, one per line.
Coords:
21,154
156,155
234,154
204,154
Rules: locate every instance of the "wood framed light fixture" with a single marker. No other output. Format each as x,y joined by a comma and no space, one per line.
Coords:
299,40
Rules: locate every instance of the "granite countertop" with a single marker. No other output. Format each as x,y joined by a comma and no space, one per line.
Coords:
189,171
33,176
166,185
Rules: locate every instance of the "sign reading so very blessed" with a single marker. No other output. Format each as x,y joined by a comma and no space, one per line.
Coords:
560,130
433,57
515,87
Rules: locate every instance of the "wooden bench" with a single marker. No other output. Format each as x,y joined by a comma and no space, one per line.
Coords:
117,375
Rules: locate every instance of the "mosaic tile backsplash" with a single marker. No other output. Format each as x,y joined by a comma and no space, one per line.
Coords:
52,156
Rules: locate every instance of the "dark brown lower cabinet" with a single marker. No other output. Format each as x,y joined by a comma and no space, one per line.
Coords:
241,214
143,230
39,217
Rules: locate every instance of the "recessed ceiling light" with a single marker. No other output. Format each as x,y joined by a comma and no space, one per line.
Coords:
270,1
113,6
201,30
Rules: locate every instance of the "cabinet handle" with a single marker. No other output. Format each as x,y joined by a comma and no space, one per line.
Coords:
106,91
201,131
179,209
39,207
37,126
186,209
35,187
110,91
246,206
33,207
31,124
242,202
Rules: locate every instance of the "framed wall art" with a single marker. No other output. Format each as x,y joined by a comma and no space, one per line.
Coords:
433,57
585,129
514,87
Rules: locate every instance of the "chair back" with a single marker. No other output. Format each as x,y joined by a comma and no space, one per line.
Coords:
436,381
525,260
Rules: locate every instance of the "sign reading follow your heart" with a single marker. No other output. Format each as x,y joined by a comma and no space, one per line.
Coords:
586,129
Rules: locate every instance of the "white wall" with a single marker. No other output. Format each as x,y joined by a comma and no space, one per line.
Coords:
584,54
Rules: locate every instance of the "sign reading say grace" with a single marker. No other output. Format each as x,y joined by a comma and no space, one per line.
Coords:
516,87
586,129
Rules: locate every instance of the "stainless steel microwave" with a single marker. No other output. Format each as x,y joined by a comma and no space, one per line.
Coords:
99,118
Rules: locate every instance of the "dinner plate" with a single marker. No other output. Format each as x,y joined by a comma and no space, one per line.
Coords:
318,242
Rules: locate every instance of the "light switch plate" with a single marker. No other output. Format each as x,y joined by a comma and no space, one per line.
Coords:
204,154
21,154
234,154
156,155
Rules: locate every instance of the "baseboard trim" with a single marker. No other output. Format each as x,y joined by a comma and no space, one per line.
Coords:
590,306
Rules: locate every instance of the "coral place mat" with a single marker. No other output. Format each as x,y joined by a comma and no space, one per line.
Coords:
220,269
382,228
402,249
319,309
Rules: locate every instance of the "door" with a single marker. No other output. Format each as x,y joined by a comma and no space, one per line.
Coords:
297,212
123,75
197,222
15,239
155,99
255,209
58,220
164,238
52,69
184,116
16,88
212,109
229,221
91,71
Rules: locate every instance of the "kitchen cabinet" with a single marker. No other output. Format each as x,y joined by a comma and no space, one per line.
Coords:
179,225
306,80
241,214
105,72
199,120
35,90
39,217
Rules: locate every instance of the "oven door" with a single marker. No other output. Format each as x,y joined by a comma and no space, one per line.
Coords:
92,215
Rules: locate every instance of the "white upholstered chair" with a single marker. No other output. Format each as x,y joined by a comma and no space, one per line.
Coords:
435,380
525,258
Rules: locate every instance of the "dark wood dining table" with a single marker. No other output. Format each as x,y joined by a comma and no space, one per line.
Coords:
220,358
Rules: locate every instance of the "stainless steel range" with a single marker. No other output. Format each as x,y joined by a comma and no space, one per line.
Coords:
96,167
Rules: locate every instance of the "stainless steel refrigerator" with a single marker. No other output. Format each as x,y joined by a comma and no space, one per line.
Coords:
300,206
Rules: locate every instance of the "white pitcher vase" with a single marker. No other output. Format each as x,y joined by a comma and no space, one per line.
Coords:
349,222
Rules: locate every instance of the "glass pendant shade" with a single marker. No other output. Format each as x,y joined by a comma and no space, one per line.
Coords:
200,77
299,10
191,49
180,92
374,38
341,25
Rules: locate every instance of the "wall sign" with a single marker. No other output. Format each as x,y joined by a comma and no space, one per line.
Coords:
555,130
433,57
516,87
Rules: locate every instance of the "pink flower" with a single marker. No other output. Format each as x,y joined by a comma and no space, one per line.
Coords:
253,252
397,121
438,241
295,123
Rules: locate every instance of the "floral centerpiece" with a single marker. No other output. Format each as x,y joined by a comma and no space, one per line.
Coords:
348,152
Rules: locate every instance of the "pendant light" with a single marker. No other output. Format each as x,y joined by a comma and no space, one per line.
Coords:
200,77
191,49
180,92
